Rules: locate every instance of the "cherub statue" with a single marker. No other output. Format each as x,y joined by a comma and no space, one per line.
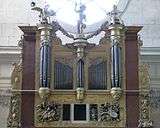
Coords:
45,13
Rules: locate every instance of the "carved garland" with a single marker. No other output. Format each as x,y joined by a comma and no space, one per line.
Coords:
109,112
144,82
48,112
13,120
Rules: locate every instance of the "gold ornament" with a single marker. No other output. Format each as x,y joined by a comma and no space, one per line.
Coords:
44,92
116,93
80,93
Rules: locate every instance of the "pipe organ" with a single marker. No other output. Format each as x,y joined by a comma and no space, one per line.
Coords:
78,84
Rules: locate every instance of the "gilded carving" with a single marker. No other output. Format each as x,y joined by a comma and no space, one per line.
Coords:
16,78
13,120
44,92
48,112
144,78
93,112
116,93
144,81
80,94
109,112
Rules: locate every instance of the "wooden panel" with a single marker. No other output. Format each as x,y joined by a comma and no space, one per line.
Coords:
28,80
132,82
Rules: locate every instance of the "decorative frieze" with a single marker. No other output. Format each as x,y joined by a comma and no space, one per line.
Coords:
109,112
48,112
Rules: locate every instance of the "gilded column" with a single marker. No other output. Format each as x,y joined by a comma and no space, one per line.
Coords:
116,36
45,55
45,58
45,29
80,43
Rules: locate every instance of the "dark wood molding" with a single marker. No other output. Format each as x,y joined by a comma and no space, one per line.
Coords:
132,79
28,80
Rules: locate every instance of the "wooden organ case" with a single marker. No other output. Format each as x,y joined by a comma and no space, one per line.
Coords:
78,84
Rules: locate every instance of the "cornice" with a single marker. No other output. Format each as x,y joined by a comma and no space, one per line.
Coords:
133,29
150,51
28,29
9,54
10,50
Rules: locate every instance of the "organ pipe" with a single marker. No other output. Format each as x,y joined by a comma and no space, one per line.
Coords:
45,55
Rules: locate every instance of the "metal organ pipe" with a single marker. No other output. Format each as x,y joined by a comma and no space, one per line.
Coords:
45,55
116,66
80,73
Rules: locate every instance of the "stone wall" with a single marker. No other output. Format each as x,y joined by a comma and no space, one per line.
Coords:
14,13
144,13
4,107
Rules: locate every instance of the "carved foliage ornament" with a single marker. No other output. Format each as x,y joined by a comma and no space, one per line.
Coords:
13,120
48,112
144,77
144,81
109,112
16,77
145,112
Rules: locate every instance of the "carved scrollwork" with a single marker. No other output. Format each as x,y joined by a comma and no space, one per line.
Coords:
16,77
109,112
48,112
144,81
93,112
13,120
144,77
